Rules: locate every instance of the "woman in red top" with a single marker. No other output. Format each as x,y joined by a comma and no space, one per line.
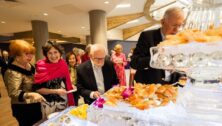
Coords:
52,80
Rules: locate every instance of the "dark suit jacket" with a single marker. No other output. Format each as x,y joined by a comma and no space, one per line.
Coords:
140,59
86,82
4,64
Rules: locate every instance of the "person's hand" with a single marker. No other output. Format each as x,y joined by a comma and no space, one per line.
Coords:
61,91
36,97
96,95
74,87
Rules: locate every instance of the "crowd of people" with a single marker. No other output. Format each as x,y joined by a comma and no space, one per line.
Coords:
56,82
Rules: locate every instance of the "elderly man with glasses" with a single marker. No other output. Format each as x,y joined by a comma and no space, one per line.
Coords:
96,76
171,23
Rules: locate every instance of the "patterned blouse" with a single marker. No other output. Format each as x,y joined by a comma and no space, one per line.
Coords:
52,84
18,81
73,75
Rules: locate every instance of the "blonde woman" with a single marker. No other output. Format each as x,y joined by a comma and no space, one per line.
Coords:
120,62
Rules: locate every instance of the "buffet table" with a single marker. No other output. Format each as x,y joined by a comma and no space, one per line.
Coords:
194,106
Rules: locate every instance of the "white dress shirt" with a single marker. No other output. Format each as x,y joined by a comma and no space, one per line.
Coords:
99,79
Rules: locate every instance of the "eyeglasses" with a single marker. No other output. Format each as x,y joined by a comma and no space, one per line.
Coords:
177,26
174,24
99,59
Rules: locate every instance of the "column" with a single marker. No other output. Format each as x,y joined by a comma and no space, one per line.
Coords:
40,36
98,27
88,40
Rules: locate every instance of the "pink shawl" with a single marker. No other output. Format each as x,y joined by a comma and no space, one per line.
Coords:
46,71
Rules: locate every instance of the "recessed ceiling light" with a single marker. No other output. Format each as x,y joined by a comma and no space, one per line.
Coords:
3,22
123,5
106,2
133,21
154,13
83,27
45,14
59,31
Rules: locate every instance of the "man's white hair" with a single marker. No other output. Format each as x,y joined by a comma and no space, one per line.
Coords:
173,12
97,47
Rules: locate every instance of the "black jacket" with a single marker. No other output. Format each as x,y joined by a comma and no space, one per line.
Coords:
140,59
86,82
4,64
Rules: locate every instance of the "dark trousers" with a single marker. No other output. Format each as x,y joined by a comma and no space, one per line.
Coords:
27,114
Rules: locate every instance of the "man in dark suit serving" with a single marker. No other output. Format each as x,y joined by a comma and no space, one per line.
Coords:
96,76
172,20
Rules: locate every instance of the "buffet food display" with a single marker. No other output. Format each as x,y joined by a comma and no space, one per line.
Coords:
72,116
132,106
194,52
193,35
80,112
142,96
191,107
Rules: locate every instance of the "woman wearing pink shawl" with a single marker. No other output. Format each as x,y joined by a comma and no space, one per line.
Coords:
52,80
120,62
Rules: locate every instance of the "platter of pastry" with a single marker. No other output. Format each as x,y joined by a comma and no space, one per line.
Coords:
142,96
193,35
191,51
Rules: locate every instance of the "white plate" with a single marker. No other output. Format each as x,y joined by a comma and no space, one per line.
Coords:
52,115
70,91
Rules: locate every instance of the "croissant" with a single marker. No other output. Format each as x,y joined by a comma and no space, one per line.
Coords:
193,35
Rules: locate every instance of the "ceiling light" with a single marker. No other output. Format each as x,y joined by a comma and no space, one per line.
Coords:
106,2
154,13
59,31
133,21
3,22
45,14
123,5
83,27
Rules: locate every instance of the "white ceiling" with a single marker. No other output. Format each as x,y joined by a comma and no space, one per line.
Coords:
136,7
65,17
